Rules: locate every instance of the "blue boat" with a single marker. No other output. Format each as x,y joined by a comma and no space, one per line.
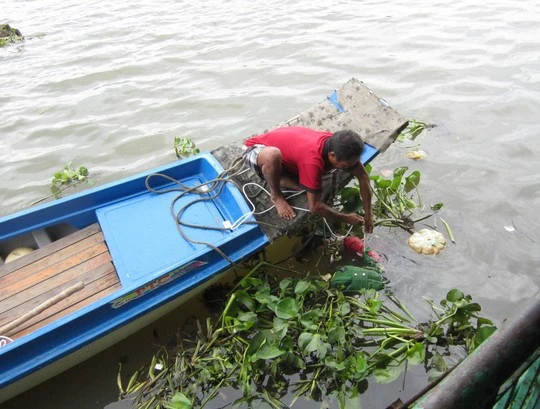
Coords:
110,260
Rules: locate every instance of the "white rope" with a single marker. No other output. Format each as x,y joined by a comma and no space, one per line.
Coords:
294,193
245,216
337,236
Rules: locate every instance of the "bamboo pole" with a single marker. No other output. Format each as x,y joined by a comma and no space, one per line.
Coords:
41,307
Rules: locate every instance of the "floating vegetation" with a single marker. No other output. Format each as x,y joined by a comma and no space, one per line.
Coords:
9,35
448,230
273,328
184,147
413,130
397,198
66,178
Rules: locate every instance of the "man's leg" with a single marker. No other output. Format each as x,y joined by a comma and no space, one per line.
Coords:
269,161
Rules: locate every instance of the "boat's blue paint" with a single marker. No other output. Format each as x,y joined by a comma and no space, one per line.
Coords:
333,98
155,264
368,154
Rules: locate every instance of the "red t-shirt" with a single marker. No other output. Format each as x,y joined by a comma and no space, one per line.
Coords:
301,150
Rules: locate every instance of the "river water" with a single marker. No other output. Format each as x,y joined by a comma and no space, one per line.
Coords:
108,85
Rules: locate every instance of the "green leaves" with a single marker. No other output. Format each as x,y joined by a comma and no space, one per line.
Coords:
395,200
458,321
9,35
179,401
388,374
267,351
275,330
416,354
336,335
309,342
454,295
286,308
482,334
67,177
310,320
350,199
184,147
413,130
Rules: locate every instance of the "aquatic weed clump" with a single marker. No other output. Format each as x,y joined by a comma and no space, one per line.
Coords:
296,336
9,35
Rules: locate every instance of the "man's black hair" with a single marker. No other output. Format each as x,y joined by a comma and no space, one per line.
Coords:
346,145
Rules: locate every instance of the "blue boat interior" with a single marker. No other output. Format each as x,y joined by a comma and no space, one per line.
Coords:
40,225
143,232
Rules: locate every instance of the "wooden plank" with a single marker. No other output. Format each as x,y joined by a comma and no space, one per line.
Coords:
51,248
93,292
48,260
36,278
87,272
37,273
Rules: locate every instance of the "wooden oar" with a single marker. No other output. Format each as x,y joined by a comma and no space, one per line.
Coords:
41,307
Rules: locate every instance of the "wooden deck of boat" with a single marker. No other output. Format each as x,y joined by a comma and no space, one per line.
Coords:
32,280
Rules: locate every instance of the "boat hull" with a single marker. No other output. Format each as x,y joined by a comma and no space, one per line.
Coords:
158,262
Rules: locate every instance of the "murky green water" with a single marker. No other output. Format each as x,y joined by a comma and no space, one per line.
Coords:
110,84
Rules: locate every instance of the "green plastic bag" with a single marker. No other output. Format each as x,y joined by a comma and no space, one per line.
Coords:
352,278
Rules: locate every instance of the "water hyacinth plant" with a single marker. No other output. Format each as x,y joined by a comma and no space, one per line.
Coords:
413,130
396,199
68,177
9,35
184,147
274,327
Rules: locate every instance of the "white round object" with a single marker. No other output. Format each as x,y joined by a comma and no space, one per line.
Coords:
427,241
18,252
416,154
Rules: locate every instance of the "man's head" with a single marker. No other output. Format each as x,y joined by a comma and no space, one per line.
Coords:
344,149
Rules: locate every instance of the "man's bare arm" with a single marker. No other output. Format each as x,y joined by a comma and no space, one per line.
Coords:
365,193
317,206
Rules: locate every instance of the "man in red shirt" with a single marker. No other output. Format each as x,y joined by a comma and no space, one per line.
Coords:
296,157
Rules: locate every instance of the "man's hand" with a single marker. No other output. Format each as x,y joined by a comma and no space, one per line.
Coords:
355,218
352,218
368,224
